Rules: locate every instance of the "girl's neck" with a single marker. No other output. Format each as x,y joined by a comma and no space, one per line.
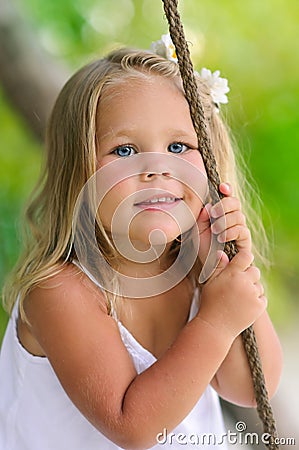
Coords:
144,261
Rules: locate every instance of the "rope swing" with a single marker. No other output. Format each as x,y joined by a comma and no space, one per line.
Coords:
199,122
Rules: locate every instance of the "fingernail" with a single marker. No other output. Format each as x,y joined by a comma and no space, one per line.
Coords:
226,186
208,207
214,228
213,212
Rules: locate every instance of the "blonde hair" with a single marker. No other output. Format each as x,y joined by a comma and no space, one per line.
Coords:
71,161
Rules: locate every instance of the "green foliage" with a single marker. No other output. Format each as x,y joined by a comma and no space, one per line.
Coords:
20,160
254,44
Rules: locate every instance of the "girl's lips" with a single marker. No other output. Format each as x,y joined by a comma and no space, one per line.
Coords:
159,205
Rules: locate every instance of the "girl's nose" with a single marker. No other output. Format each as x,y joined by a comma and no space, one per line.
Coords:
156,164
148,176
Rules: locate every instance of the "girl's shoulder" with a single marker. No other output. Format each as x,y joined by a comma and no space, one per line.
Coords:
69,323
68,282
67,292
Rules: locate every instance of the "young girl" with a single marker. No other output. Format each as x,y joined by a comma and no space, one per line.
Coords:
88,361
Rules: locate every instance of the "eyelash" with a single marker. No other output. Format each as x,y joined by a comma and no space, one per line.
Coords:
187,147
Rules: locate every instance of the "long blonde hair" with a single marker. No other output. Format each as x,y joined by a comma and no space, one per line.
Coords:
71,161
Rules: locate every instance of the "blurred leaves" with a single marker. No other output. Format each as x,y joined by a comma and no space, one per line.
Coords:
253,43
19,167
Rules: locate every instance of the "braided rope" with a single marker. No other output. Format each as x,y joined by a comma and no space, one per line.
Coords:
199,122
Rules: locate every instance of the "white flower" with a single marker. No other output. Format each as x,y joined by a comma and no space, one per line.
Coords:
165,48
218,86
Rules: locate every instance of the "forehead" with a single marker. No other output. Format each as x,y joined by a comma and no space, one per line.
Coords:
146,99
140,80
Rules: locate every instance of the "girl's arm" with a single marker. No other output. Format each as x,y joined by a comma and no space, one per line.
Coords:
233,380
69,321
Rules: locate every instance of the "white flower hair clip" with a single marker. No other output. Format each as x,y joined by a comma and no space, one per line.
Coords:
165,48
218,86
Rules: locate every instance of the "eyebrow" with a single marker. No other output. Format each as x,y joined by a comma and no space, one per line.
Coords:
120,133
127,132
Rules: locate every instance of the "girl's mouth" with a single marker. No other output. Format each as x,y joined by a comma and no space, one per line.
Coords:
159,203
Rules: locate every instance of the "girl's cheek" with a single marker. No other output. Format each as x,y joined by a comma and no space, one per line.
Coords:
199,192
103,161
195,158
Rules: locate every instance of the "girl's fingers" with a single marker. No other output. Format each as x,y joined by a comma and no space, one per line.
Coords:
228,221
238,233
254,274
260,289
242,260
225,206
204,231
203,220
225,188
222,262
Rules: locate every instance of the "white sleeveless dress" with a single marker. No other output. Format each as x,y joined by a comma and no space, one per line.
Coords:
37,414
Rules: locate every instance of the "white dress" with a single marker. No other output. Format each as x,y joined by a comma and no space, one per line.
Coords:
37,414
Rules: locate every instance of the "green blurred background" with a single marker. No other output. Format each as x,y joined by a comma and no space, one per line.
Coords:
255,45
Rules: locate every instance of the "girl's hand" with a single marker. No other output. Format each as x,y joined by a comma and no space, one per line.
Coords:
228,224
229,221
233,298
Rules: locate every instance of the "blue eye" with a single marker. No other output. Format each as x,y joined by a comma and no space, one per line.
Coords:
124,150
177,147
